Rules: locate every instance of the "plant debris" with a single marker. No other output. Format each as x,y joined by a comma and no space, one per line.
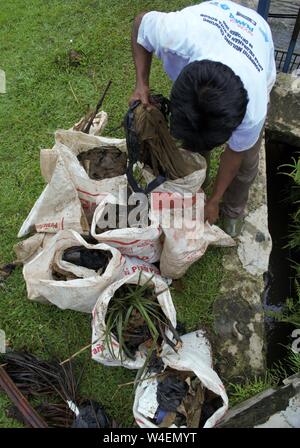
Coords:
103,162
28,413
135,318
50,380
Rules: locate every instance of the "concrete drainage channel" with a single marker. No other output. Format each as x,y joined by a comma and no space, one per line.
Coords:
249,338
280,279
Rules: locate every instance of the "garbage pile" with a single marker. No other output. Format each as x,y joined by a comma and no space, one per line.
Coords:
75,258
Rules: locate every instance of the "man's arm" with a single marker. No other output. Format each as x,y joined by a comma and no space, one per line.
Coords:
228,169
142,61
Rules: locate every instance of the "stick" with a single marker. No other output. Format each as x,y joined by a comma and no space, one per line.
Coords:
136,382
76,354
88,126
141,380
71,88
31,417
79,351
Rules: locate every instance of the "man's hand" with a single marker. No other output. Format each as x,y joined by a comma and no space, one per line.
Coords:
211,211
141,93
228,169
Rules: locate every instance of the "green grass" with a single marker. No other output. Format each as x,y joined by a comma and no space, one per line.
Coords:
273,377
241,392
34,41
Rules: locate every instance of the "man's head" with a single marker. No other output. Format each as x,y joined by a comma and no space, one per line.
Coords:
208,102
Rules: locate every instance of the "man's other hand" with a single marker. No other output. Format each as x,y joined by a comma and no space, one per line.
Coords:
211,211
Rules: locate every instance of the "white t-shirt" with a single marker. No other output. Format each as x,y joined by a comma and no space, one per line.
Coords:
225,32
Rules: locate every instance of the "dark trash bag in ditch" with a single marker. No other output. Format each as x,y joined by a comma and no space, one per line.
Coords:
149,142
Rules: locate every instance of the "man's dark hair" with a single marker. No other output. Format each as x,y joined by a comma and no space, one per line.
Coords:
208,102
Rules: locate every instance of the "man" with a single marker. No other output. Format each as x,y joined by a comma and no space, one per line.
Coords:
220,56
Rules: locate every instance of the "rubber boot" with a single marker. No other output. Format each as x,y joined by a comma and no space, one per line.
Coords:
232,226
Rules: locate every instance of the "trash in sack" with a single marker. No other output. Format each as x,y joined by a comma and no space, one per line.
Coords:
56,384
143,242
96,260
104,162
132,318
57,208
134,264
53,277
171,390
180,397
189,184
71,146
93,259
150,143
187,392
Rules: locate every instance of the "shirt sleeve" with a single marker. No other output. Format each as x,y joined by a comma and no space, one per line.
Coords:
160,32
244,138
148,31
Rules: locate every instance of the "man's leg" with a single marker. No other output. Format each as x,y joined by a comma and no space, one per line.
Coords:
236,195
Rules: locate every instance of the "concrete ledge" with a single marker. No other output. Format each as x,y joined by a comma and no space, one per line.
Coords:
284,113
273,408
239,316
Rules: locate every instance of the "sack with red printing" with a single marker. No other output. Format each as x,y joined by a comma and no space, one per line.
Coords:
186,392
57,208
71,273
27,249
186,236
142,242
183,247
127,342
96,165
